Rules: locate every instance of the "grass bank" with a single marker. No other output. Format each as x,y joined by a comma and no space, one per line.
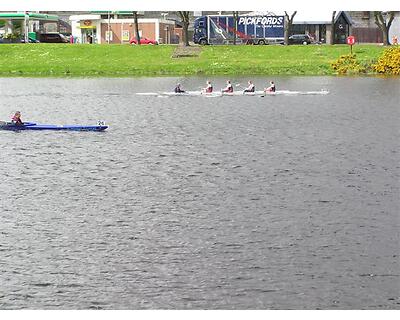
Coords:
59,60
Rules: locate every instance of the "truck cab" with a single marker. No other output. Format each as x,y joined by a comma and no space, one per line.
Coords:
200,31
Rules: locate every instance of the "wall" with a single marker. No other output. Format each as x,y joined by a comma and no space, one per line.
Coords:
167,37
367,35
148,31
178,35
362,19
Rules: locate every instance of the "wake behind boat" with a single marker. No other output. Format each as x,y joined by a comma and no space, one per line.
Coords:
34,126
235,93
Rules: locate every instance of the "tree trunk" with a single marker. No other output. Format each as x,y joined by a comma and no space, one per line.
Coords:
385,34
185,22
288,26
186,33
332,40
286,29
235,19
384,25
137,28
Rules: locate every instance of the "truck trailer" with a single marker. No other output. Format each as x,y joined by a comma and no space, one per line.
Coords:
216,29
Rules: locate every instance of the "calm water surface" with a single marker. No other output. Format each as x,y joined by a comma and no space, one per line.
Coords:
285,202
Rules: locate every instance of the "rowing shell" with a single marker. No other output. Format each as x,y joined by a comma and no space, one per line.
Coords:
33,126
236,93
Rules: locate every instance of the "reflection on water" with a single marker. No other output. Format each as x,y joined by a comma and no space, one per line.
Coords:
187,202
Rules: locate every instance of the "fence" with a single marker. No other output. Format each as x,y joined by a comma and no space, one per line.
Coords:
367,35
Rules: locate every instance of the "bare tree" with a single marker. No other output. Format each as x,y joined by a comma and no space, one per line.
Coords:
332,39
135,17
384,24
288,25
235,22
185,22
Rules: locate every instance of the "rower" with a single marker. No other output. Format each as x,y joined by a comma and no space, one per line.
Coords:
228,88
16,119
178,88
209,87
250,88
271,88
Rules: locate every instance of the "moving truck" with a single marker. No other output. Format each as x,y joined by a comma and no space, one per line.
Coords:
216,29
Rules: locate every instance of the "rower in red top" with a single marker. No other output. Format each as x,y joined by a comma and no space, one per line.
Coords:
209,88
271,88
229,87
16,119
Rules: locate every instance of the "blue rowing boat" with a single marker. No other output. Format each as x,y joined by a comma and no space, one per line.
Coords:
34,126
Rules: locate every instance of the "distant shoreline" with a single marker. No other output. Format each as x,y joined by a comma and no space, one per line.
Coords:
121,61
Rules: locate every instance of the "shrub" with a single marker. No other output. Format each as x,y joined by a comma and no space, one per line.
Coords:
348,64
389,62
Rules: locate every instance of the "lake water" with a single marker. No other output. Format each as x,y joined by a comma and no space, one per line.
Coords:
284,202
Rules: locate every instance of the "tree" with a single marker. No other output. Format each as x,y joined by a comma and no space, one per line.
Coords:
384,24
135,17
288,25
235,21
185,22
332,39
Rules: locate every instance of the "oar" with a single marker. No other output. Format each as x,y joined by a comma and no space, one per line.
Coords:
239,85
243,87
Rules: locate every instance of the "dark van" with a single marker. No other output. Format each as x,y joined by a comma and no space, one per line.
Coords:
53,37
300,39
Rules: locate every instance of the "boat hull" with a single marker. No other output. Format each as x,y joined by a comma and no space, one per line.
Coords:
38,127
236,93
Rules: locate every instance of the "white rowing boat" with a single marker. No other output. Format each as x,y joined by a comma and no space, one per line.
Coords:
235,93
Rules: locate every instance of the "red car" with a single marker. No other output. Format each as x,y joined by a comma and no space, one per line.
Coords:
142,41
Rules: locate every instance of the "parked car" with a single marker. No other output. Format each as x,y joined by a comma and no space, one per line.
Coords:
300,39
53,37
18,40
30,40
142,41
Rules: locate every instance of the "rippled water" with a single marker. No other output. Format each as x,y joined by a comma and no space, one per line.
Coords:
286,202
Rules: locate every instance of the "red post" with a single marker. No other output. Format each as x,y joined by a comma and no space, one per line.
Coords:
350,41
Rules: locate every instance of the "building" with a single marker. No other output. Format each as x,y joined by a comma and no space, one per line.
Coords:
318,25
119,28
365,29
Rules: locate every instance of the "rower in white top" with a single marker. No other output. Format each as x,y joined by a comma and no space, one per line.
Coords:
251,87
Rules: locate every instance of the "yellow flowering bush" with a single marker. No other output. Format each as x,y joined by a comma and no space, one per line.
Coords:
389,62
348,64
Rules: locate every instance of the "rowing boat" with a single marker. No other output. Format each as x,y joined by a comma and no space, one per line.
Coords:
34,126
235,93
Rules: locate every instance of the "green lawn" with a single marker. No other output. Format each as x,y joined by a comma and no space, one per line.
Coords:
43,60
